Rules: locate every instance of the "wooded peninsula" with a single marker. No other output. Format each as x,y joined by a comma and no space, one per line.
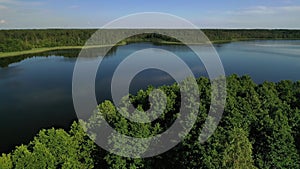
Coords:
18,42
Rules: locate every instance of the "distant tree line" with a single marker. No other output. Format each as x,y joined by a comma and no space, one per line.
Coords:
19,40
250,34
260,128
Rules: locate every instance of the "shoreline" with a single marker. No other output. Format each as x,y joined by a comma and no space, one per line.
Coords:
47,49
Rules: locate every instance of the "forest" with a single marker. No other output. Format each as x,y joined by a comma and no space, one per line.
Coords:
20,40
260,128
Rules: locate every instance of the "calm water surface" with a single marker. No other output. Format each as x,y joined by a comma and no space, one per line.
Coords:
35,91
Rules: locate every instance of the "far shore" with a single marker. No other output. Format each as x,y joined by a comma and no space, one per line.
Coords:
39,50
46,49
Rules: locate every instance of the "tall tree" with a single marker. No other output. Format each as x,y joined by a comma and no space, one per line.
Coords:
238,151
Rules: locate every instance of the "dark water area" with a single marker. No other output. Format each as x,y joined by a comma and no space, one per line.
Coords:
36,90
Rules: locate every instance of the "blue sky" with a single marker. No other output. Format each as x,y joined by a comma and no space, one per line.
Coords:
95,13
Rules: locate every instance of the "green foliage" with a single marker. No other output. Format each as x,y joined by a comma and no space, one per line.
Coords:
122,125
6,161
21,157
242,34
40,157
53,148
238,150
19,40
260,128
274,145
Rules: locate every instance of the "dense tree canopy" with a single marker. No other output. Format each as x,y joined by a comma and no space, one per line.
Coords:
259,129
53,148
19,40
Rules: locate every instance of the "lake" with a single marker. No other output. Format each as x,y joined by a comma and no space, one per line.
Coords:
36,90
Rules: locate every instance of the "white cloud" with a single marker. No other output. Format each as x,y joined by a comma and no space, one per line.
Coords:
2,21
291,8
265,10
263,17
257,10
